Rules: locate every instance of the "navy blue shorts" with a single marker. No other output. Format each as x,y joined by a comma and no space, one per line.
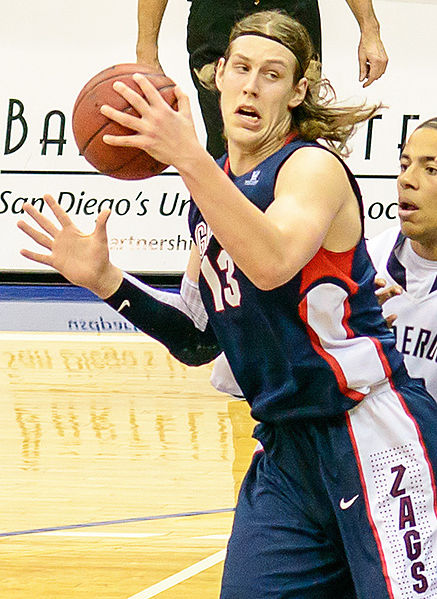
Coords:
341,508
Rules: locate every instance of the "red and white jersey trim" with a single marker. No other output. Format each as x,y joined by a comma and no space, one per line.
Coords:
355,361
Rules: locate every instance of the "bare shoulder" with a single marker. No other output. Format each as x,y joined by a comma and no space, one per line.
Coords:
313,168
314,159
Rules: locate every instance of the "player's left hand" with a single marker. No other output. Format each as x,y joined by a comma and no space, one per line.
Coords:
372,58
166,134
81,258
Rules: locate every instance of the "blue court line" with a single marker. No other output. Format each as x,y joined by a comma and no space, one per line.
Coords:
51,293
110,522
46,293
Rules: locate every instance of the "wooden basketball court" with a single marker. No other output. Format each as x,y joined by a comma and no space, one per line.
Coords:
119,469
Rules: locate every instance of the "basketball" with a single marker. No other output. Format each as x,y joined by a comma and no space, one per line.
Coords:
90,125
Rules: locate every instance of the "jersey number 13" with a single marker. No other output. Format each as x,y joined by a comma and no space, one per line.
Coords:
230,292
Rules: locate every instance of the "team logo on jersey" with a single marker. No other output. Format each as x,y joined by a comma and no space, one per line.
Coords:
254,178
202,234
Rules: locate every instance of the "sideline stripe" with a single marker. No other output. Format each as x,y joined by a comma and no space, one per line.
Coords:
110,522
189,572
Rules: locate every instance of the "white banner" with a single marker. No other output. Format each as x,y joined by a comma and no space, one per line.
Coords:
53,47
407,90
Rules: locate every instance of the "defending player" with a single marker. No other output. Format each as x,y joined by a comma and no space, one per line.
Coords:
407,259
342,501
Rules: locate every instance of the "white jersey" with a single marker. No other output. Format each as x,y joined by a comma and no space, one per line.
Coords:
416,308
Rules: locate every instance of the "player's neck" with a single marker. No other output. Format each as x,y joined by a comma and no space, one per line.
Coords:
424,250
243,159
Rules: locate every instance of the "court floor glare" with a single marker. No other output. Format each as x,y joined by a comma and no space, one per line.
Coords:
119,469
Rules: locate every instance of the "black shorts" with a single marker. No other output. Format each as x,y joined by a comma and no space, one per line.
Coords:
210,23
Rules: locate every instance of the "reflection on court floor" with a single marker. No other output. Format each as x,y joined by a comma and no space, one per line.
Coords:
120,469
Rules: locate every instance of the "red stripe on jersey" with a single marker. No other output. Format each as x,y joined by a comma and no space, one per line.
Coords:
330,264
345,320
339,266
335,366
421,441
367,503
385,363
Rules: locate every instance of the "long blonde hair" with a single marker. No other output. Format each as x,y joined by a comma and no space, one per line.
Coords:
318,117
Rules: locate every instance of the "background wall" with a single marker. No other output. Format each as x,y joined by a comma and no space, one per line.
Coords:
52,47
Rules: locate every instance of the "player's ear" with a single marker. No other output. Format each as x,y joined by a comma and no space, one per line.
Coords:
219,73
299,93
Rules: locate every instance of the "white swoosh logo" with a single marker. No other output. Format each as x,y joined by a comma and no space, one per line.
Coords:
345,505
124,304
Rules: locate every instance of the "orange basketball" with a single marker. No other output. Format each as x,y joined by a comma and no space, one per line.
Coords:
89,124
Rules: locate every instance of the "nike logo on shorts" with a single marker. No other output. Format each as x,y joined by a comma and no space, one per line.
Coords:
345,505
124,304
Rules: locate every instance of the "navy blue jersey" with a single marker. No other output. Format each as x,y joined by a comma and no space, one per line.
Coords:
312,347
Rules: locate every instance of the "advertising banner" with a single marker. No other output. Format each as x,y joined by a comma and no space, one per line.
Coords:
54,47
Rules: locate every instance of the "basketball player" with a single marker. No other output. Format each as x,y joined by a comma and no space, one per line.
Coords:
406,263
208,30
210,23
341,501
407,259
